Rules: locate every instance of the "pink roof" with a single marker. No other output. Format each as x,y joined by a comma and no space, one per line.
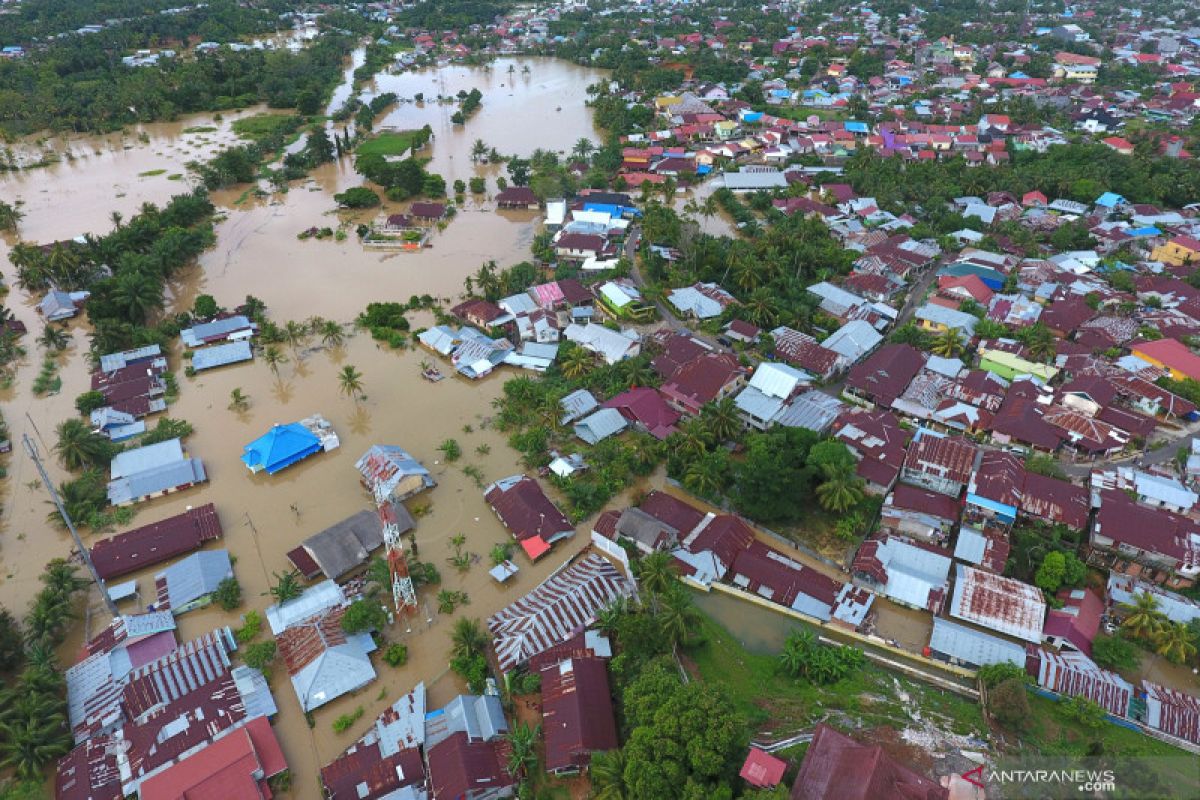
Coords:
762,769
1173,354
648,408
1078,621
227,769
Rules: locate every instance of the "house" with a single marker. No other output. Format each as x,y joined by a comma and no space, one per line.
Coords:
1178,251
1073,674
1170,354
57,306
577,713
1154,537
391,473
1172,712
966,647
647,409
709,550
116,425
738,330
517,197
837,766
427,213
877,442
156,542
235,328
280,447
762,770
222,355
926,515
911,574
703,380
885,374
612,346
1074,67
322,660
386,759
803,351
1001,604
237,765
577,405
1074,624
853,341
701,300
1123,590
986,548
939,462
481,313
600,425
557,609
1001,489
772,575
152,471
770,389
1010,365
346,545
940,319
464,750
646,532
579,246
189,584
534,521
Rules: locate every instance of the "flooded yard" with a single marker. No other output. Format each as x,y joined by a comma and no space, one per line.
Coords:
257,253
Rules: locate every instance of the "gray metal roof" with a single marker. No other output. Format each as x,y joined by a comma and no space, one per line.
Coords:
195,336
754,181
481,717
114,361
145,458
813,410
156,480
754,403
220,355
316,599
577,404
195,576
970,546
853,340
346,545
600,425
971,647
338,670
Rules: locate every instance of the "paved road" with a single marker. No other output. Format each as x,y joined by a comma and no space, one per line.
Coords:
916,295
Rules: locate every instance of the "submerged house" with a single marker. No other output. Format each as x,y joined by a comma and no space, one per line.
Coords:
345,546
189,584
152,471
285,445
391,473
534,521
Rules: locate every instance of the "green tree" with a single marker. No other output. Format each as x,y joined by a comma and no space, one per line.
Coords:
607,773
576,362
33,742
331,334
228,594
722,418
260,654
1008,703
274,358
948,344
287,586
467,638
1050,574
350,382
1143,617
1115,653
12,646
357,197
362,616
841,490
238,400
522,743
656,572
79,447
10,216
205,307
89,401
451,450
1175,642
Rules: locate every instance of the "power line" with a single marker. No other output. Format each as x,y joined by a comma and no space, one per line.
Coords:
32,450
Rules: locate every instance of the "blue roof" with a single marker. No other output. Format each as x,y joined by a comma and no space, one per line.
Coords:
1018,75
1110,200
281,447
1150,230
1002,509
752,116
611,209
857,127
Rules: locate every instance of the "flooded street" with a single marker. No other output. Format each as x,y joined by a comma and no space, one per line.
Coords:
257,253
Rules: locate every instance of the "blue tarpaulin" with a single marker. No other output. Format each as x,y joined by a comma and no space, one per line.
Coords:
280,447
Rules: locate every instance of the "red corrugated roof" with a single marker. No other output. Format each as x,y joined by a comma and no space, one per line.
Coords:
458,766
234,767
157,542
577,713
762,769
836,766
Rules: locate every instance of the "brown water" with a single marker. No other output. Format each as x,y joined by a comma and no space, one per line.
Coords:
257,253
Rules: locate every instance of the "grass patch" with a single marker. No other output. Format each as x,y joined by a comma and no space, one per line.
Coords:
175,176
1050,733
779,705
150,173
260,126
200,129
388,143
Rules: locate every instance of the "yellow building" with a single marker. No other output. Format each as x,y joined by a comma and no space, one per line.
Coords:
1177,252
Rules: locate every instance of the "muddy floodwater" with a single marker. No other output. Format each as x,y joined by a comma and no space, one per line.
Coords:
257,253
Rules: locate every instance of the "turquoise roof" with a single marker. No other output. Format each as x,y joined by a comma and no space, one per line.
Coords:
280,447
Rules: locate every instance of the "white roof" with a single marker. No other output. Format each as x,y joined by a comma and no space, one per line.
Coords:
1164,490
912,571
691,301
835,296
322,597
971,545
612,345
778,380
753,181
973,647
853,340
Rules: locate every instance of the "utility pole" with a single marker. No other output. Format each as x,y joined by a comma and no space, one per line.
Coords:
32,450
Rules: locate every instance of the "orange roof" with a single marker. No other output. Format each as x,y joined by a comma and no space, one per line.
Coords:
535,547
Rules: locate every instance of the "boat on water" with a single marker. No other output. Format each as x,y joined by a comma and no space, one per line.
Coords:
432,374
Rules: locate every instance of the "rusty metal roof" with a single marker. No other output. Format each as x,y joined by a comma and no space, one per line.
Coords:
1001,604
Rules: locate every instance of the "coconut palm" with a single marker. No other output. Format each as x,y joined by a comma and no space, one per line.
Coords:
522,742
762,307
137,294
61,578
656,572
479,149
583,148
1039,341
78,446
608,619
54,338
703,477
676,615
287,586
238,400
274,357
693,438
331,333
947,344
30,745
117,218
841,490
350,381
295,334
467,638
1175,642
576,362
722,419
607,772
1143,618
637,372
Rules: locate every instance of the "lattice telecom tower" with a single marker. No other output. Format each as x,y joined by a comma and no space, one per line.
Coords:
404,594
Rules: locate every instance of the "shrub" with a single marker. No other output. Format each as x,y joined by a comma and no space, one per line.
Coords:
260,655
205,307
346,720
251,625
88,402
1084,711
450,449
993,675
228,594
1009,704
363,615
473,670
1115,653
396,655
357,197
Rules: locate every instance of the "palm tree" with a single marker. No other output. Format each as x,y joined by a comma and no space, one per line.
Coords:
10,216
137,294
1039,341
522,741
722,418
676,615
637,372
703,477
842,489
78,446
583,148
331,333
287,586
608,619
30,745
467,639
1142,617
295,334
1175,642
54,338
350,381
607,772
762,307
117,218
746,275
274,357
656,572
576,362
238,400
693,438
479,149
947,344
